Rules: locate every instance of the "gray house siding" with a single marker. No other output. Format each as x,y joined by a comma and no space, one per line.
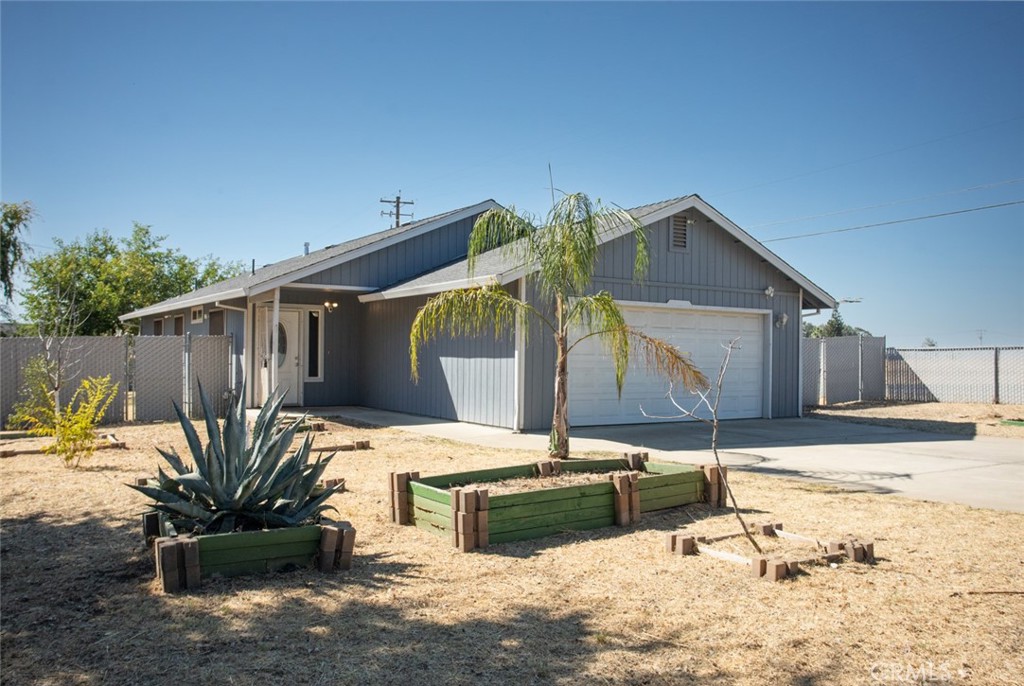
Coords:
465,379
715,271
403,260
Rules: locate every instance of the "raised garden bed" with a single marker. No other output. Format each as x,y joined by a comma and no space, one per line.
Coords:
182,562
473,518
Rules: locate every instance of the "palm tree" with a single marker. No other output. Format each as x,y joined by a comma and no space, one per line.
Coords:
560,255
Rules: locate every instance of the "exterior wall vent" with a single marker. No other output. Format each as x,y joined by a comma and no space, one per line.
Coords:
680,235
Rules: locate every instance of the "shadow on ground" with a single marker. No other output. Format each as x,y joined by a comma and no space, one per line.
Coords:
79,606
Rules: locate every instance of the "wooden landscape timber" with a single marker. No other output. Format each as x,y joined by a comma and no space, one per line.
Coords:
684,543
182,562
474,518
107,442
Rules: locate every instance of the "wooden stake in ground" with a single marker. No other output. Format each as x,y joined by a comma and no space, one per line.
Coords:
713,422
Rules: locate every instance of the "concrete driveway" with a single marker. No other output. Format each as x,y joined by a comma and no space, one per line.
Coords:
980,471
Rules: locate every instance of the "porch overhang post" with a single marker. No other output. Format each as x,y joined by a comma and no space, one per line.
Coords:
275,341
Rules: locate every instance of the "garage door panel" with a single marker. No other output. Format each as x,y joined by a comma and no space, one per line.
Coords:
704,335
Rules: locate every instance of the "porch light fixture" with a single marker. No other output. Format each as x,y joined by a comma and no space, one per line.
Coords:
329,306
781,320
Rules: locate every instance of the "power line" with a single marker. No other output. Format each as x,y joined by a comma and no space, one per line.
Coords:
894,221
870,157
886,204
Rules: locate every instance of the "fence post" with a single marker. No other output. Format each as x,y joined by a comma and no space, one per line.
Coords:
860,368
231,364
823,374
996,399
186,364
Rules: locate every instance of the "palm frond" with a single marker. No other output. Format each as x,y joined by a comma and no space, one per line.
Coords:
600,316
502,228
465,312
668,361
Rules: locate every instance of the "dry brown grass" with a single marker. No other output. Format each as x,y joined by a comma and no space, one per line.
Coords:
80,605
960,419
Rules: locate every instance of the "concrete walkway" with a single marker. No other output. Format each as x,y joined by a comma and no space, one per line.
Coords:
980,471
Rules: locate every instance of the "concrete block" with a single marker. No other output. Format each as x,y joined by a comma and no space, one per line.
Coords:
869,551
671,543
687,545
776,570
792,567
758,566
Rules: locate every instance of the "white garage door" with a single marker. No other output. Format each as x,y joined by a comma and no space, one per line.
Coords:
592,396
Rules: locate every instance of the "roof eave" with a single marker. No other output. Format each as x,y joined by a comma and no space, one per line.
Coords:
186,303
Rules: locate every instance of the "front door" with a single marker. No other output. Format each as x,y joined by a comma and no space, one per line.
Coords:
289,357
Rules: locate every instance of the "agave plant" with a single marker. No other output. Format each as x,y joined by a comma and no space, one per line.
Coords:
235,485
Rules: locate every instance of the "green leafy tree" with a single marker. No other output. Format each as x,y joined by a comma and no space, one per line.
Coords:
564,251
15,219
834,327
110,277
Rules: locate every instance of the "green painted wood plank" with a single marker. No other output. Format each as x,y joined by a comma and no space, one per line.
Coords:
264,552
564,493
526,534
443,532
594,465
429,505
480,475
670,501
549,506
421,490
437,518
670,468
667,491
565,519
258,538
682,479
253,566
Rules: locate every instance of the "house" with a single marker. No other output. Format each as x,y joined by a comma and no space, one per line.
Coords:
331,327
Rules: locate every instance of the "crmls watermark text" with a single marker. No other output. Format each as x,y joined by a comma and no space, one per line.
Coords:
907,673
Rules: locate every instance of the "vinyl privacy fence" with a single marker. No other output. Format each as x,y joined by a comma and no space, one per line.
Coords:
851,368
151,372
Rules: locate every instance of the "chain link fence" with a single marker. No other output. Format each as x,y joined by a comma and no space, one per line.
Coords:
861,368
844,369
151,372
955,375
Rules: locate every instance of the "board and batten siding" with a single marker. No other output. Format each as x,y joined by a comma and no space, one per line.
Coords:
404,260
469,379
715,270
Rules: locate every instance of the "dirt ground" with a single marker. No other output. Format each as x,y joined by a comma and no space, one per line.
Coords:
964,419
943,603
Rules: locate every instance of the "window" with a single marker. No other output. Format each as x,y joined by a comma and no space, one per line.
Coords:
197,315
158,327
680,234
314,339
179,325
217,323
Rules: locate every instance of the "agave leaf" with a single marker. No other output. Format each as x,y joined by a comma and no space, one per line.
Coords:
194,444
172,459
215,446
216,478
317,505
196,484
173,501
266,422
234,445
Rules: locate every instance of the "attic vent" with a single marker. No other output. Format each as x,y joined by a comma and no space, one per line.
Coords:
680,233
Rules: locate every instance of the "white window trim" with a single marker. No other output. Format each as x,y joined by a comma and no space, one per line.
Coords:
319,344
197,310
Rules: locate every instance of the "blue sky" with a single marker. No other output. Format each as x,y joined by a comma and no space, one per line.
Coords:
244,129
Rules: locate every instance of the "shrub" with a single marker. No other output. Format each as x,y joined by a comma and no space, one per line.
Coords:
74,426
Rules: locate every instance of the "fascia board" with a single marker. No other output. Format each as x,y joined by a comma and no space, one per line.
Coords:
183,304
433,288
369,249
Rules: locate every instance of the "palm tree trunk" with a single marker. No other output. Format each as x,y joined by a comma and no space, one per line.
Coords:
559,444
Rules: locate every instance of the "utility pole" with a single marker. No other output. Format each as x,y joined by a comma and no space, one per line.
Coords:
397,212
